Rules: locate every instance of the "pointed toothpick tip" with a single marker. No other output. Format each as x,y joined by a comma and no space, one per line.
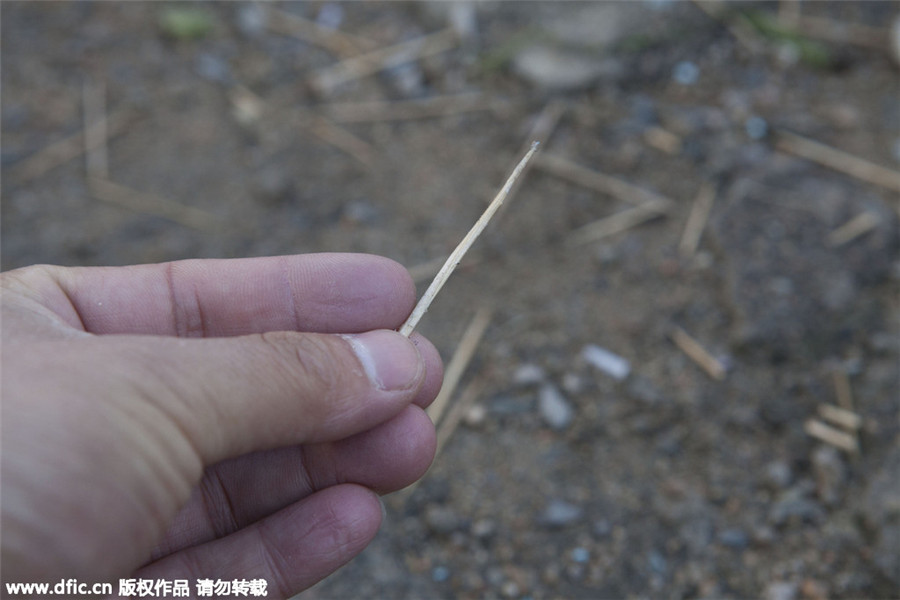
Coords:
460,250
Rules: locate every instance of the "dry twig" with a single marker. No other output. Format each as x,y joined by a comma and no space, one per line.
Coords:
327,79
706,361
466,243
838,160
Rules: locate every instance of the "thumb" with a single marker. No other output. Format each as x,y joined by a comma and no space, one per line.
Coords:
230,396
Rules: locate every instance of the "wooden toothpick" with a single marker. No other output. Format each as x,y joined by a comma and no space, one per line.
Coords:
466,243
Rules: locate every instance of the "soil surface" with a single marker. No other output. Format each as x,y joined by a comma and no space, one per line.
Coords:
565,479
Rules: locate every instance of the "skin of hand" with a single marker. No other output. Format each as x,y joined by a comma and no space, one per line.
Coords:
220,419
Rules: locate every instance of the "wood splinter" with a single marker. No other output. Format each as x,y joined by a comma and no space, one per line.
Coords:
463,247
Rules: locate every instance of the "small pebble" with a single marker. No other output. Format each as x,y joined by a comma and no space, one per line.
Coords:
793,508
756,128
581,555
554,408
359,212
572,383
509,589
612,364
441,520
330,16
212,67
251,19
734,538
602,528
658,563
528,374
780,590
408,79
475,416
483,528
560,513
778,474
440,574
686,73
463,19
555,69
643,390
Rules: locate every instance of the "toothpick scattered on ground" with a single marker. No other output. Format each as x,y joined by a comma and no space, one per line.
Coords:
842,389
342,139
407,110
456,413
697,220
457,365
597,181
447,424
466,243
835,32
546,122
617,223
742,32
335,41
830,435
329,78
95,129
838,160
706,361
663,140
859,225
446,428
60,152
152,204
841,417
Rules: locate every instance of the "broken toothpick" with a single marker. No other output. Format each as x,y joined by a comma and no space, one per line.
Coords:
466,243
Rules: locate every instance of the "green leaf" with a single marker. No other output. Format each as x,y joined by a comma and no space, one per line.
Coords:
185,22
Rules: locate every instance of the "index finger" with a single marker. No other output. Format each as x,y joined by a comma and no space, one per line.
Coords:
324,293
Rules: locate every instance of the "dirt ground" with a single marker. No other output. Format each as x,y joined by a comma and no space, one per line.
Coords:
229,136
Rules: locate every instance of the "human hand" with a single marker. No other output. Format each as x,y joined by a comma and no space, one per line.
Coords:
200,419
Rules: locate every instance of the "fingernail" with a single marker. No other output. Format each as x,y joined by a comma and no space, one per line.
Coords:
389,359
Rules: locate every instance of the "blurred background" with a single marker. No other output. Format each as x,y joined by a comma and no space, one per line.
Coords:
675,351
